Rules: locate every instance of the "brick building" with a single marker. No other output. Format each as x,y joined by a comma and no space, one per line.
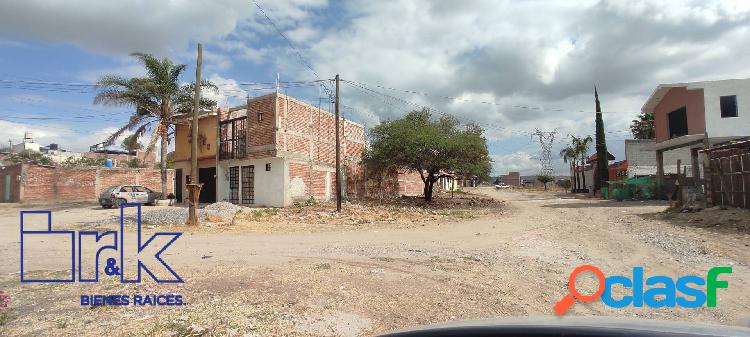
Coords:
275,150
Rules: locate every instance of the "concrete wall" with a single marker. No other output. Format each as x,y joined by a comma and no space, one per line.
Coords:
61,184
642,158
731,126
269,186
677,98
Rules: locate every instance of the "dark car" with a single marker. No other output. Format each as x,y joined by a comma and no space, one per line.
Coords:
120,194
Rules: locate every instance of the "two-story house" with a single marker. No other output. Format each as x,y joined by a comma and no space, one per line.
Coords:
276,150
696,115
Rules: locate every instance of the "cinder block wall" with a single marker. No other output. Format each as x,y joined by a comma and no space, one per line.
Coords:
57,184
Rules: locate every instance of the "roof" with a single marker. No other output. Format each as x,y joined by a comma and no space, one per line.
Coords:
661,90
593,157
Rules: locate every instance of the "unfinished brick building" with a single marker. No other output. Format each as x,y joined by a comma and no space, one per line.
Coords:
277,149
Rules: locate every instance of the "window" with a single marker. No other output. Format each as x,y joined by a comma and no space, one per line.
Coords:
234,184
678,122
728,106
248,182
126,189
233,142
260,116
268,166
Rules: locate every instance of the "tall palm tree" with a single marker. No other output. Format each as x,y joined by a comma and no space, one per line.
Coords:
582,145
569,154
157,99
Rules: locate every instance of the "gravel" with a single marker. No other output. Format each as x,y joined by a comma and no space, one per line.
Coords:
216,212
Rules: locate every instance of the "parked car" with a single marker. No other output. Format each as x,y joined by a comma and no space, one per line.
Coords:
501,186
120,194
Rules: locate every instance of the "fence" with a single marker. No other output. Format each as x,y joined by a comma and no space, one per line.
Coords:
33,183
728,175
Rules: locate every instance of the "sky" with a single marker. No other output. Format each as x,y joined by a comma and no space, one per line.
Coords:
510,66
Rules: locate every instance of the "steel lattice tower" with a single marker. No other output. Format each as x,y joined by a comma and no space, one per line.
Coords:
545,138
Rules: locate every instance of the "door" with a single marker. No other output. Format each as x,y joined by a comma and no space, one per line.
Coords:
207,177
7,188
141,194
248,185
178,185
234,184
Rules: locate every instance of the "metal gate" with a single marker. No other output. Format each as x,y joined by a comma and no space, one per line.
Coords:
234,184
248,185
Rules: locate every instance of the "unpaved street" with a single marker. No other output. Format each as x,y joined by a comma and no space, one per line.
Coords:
374,280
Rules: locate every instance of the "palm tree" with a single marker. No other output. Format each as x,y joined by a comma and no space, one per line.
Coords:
157,99
582,145
569,154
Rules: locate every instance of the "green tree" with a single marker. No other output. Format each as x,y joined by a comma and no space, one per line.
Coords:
157,99
569,155
131,143
29,157
582,145
643,126
564,183
170,159
544,179
432,147
83,162
602,156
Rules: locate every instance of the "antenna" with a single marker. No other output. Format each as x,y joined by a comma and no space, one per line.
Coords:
545,138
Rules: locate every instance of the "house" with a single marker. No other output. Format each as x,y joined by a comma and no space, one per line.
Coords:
207,147
511,179
28,144
588,172
276,150
697,115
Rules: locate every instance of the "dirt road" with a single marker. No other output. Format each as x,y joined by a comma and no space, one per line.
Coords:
375,280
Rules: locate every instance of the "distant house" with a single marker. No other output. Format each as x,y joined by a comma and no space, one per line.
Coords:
511,179
696,115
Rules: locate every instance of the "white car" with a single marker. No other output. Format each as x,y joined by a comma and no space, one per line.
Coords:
501,186
118,195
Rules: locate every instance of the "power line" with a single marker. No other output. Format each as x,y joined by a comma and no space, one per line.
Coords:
302,59
459,99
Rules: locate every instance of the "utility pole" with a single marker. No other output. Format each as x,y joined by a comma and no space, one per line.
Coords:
194,187
338,150
546,138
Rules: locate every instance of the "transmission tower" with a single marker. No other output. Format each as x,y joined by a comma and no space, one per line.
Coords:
545,138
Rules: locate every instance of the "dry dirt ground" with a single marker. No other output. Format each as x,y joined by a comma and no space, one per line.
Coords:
372,279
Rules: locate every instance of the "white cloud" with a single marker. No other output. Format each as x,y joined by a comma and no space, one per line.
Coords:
159,27
229,93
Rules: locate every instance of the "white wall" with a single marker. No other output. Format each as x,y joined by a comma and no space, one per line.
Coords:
642,159
732,126
269,187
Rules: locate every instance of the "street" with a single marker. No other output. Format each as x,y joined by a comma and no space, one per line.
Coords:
375,280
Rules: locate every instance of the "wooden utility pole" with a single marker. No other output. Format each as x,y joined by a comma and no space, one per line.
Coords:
338,150
194,187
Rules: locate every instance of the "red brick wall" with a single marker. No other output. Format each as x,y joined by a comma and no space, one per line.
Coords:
261,132
53,184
